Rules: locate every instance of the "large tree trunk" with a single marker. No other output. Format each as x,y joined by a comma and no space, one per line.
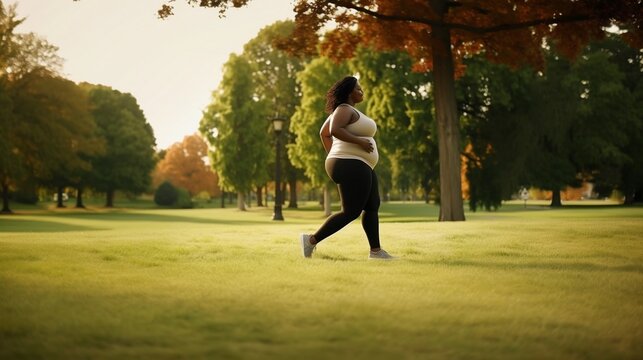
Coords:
292,185
284,191
451,205
241,201
327,210
555,198
222,199
259,195
79,198
59,194
5,199
109,198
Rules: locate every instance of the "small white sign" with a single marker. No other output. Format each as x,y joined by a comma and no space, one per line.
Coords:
524,194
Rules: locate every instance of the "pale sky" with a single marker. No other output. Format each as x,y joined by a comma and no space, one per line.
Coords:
171,66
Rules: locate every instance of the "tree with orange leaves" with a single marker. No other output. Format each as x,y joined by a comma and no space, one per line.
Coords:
440,33
184,166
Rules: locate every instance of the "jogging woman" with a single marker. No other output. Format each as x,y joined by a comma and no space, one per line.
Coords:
347,136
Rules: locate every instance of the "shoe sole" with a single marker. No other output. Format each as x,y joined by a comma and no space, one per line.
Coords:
383,259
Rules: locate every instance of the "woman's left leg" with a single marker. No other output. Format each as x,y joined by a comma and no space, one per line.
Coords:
370,218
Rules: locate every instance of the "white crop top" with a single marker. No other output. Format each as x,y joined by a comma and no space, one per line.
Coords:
364,127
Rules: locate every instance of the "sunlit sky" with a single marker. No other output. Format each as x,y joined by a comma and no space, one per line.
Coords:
171,66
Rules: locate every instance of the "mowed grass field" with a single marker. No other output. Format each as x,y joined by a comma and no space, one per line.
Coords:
528,283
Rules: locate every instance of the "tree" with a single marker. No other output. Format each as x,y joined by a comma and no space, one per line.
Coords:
500,136
307,152
630,64
58,133
20,54
11,162
129,157
274,74
552,129
183,165
585,113
440,33
396,97
235,127
606,122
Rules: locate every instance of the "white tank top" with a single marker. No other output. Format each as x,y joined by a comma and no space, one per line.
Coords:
364,127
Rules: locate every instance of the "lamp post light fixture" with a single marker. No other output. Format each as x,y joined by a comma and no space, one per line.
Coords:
278,124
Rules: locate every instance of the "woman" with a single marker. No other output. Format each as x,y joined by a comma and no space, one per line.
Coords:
347,135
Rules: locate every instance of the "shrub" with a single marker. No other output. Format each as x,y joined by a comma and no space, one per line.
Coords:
166,194
25,197
26,194
184,200
203,196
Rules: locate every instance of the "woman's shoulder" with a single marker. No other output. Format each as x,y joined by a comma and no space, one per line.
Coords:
348,108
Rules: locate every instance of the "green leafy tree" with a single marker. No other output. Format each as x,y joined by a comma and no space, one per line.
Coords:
606,116
129,156
629,61
554,129
555,104
20,54
307,152
396,97
11,161
274,74
59,129
585,113
500,136
234,125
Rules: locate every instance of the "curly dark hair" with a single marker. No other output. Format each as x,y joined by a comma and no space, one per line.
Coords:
339,92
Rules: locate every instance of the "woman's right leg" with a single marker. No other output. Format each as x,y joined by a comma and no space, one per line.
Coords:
353,178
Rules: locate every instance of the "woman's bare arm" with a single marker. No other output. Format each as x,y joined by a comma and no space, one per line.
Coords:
326,137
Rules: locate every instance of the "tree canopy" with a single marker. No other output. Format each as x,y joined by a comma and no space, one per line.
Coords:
26,60
184,166
274,73
234,125
129,157
58,135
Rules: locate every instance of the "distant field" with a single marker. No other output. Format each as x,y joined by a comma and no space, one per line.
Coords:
529,283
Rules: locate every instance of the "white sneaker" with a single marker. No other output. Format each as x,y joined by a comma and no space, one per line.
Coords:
306,247
380,255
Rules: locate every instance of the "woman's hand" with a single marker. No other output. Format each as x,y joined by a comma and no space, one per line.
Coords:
366,145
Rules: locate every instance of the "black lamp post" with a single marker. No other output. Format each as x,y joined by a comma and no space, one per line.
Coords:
278,124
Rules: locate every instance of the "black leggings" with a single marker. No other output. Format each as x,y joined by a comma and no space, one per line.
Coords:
357,184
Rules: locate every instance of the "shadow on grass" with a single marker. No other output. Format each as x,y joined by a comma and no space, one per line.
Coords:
540,266
332,257
156,217
27,225
16,224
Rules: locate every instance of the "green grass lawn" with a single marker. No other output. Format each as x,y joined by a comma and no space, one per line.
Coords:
528,283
